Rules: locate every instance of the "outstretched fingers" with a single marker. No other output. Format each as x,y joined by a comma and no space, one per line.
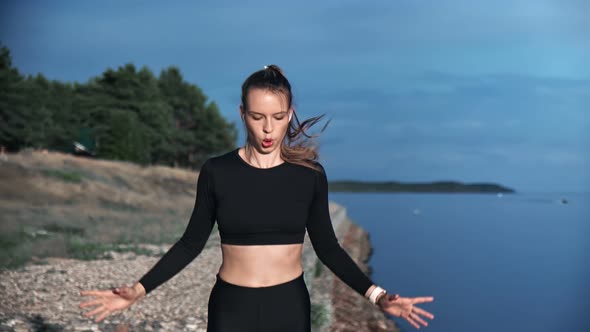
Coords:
89,303
411,321
420,320
94,293
101,317
95,311
423,299
423,312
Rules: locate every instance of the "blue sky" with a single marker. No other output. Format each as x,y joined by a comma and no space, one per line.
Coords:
417,90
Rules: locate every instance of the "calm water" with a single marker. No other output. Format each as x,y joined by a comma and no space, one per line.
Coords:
514,263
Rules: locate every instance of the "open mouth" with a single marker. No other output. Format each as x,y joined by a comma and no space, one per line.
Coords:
267,142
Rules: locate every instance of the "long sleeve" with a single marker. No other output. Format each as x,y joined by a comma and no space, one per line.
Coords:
195,236
324,241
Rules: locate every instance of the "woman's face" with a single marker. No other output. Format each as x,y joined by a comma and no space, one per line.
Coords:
266,119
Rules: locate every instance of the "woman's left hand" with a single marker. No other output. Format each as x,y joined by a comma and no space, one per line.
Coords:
404,307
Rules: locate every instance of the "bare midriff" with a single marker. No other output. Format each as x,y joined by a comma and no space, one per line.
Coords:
260,265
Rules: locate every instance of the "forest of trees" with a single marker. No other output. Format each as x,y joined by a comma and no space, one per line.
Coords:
123,114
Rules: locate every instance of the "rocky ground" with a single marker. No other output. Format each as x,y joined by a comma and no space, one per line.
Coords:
44,296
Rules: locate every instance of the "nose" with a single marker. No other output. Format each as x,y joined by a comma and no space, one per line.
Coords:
267,126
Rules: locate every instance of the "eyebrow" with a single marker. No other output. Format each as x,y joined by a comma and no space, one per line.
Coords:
265,114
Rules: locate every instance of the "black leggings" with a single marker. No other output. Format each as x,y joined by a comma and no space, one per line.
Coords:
283,307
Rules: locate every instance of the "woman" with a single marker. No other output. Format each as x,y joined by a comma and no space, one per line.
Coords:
263,196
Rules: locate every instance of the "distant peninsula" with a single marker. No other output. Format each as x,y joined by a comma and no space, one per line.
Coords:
414,187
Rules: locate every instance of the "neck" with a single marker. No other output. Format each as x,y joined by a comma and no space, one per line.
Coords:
262,160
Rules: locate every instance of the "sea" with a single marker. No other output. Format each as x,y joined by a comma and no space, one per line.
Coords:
492,262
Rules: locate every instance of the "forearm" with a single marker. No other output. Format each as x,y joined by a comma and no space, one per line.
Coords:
344,267
173,261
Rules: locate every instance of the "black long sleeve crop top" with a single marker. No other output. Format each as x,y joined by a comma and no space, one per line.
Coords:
254,206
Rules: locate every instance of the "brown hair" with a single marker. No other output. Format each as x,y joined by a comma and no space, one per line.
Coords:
298,146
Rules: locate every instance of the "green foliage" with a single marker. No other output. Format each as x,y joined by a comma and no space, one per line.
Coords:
18,247
318,268
319,315
64,229
68,176
117,206
80,248
15,247
123,114
432,187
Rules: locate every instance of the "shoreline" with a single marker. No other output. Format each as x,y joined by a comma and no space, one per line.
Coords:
336,306
351,310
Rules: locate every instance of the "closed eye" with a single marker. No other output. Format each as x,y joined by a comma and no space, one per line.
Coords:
279,116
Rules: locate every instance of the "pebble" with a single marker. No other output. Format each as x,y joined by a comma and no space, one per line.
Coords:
46,296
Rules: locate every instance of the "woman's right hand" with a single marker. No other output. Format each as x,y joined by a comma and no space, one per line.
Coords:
109,301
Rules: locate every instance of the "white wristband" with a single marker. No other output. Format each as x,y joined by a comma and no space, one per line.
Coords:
373,297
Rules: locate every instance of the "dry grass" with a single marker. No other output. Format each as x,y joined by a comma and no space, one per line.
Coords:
55,204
